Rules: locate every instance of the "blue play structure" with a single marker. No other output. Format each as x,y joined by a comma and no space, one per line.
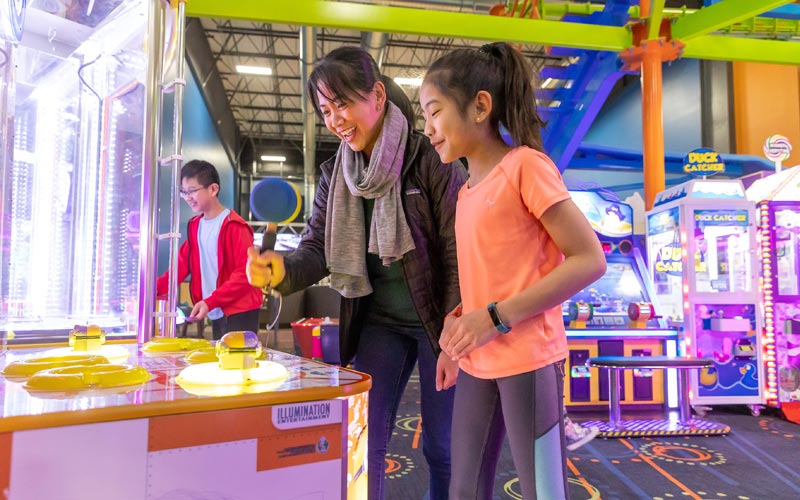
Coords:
569,110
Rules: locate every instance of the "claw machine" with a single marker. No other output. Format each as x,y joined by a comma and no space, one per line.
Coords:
80,87
701,239
73,96
777,199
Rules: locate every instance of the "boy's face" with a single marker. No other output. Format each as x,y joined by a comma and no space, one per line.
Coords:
198,197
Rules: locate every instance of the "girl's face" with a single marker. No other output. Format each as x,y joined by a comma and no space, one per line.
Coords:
357,122
450,132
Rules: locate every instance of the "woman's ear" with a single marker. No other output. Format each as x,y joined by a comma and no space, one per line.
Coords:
380,94
483,106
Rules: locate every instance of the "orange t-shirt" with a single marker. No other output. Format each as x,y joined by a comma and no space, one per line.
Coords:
502,250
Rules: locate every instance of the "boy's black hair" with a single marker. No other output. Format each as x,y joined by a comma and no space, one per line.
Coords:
204,172
350,73
505,74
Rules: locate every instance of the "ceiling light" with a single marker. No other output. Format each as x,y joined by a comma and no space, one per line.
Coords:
254,70
411,82
278,159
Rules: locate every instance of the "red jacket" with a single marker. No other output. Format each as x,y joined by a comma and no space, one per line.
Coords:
234,294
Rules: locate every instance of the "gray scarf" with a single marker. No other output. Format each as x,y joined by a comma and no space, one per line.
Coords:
352,180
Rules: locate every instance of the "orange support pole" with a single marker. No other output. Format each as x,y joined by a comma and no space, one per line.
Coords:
652,121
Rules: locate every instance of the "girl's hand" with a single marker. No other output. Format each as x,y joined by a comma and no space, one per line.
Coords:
446,372
464,334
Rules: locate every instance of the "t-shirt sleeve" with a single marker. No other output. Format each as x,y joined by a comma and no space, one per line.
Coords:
540,183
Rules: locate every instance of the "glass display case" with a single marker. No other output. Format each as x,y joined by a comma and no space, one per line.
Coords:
777,199
701,242
73,98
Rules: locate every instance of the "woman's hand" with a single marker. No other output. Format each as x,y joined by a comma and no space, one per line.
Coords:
446,372
264,268
466,333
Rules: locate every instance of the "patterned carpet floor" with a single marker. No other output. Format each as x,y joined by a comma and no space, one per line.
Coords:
758,460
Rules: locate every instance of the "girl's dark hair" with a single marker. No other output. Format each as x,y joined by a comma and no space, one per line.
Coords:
505,74
349,73
204,172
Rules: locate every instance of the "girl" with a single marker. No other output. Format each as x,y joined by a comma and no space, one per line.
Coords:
383,228
523,248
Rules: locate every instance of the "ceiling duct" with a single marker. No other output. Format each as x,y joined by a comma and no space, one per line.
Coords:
375,43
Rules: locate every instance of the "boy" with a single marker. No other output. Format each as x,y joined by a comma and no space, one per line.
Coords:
215,254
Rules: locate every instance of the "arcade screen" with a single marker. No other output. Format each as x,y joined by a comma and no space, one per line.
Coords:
611,294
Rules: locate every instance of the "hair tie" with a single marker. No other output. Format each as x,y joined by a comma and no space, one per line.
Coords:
487,48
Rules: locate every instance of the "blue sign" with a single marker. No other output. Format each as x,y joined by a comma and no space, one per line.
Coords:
703,162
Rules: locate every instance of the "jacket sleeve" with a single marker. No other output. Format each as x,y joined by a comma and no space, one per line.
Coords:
306,265
445,181
162,283
236,286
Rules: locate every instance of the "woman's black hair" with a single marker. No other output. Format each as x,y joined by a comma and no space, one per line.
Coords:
204,172
505,74
349,73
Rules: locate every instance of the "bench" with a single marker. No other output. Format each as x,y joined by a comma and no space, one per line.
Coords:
615,364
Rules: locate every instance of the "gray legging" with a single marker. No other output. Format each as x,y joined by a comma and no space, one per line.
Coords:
529,407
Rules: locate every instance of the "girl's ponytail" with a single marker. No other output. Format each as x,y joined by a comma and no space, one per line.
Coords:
519,114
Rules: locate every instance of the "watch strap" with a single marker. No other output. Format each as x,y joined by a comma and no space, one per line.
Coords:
501,326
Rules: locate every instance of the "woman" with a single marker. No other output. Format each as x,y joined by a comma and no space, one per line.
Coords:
383,228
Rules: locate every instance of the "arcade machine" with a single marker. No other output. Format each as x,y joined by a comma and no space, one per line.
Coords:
618,315
701,242
76,85
777,199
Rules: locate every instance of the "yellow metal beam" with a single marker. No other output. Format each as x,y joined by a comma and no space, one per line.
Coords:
718,16
364,17
728,48
656,15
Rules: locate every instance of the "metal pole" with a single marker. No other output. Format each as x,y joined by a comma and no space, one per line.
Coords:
307,43
177,162
152,127
684,410
613,398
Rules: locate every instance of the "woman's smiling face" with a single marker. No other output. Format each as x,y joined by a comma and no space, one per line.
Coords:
356,121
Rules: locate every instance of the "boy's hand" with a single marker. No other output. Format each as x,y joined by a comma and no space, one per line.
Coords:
199,311
265,269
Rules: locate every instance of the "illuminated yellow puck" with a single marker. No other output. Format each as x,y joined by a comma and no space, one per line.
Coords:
27,367
87,377
163,345
208,379
203,355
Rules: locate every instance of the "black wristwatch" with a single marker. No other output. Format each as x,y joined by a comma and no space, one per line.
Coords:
498,322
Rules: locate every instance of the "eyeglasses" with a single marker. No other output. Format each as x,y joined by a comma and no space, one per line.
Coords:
191,192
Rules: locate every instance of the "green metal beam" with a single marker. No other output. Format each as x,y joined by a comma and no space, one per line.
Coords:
364,17
654,23
728,48
720,15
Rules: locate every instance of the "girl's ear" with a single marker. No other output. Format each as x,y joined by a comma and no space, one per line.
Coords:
483,106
